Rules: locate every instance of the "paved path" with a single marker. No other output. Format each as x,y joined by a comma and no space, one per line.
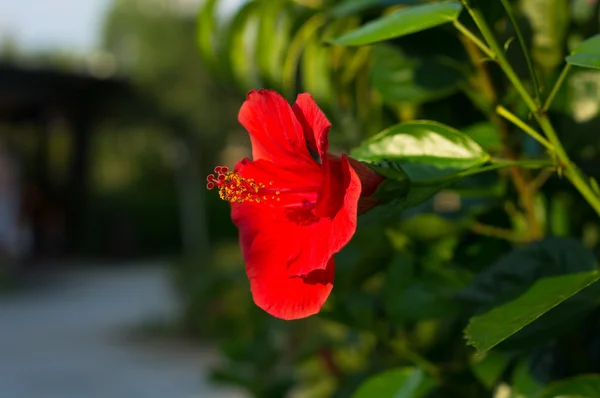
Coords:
68,335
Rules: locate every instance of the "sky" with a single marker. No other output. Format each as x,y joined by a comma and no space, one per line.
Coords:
53,24
72,25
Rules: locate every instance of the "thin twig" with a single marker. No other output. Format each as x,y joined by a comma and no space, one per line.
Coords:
471,36
556,87
505,113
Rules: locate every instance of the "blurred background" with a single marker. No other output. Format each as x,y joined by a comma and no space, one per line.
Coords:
108,124
120,276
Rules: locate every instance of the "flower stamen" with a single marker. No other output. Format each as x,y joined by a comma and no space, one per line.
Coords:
236,189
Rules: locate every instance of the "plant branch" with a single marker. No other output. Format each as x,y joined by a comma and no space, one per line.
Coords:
511,117
500,233
556,87
573,174
520,177
474,39
513,20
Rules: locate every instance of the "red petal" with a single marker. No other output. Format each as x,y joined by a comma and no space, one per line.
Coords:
275,133
314,123
268,244
336,219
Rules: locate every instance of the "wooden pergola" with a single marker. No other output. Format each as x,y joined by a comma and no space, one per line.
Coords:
37,97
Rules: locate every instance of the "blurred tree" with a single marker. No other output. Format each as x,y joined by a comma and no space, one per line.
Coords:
153,44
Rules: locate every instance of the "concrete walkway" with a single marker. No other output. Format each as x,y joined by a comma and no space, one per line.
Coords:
68,335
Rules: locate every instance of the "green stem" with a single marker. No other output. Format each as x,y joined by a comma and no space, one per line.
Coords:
571,171
471,36
513,20
505,113
496,164
556,87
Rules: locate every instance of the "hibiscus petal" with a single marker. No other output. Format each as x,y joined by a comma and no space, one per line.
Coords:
335,220
275,133
267,245
314,123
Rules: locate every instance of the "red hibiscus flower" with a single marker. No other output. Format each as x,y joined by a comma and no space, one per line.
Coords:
295,205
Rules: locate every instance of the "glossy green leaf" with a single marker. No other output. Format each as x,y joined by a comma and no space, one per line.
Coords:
402,79
401,23
424,142
587,53
488,330
585,386
408,382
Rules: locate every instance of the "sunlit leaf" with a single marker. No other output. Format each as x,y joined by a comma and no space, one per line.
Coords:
424,142
401,23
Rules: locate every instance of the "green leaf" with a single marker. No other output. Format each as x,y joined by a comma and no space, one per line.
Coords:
402,79
585,386
423,142
587,53
401,23
514,273
489,368
488,330
273,36
550,22
486,135
240,55
409,296
350,7
205,34
408,382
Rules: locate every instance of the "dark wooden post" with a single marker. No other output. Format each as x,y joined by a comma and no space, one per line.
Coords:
79,122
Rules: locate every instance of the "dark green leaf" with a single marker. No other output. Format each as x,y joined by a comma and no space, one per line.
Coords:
406,382
487,330
515,272
587,53
423,142
401,79
401,23
586,386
